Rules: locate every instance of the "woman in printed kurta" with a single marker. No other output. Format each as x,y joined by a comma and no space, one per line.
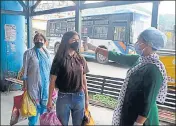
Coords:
36,63
145,83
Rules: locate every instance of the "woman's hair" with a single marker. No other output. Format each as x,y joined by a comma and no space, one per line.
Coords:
39,34
62,51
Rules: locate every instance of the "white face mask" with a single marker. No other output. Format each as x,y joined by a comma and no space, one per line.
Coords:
138,50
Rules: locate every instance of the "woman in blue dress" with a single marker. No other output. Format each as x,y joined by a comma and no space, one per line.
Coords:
36,63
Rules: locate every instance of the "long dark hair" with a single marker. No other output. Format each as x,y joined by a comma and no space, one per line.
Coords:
62,51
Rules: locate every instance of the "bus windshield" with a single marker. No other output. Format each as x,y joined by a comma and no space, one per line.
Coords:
139,24
119,33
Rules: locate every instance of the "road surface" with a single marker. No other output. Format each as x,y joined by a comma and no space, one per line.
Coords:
110,69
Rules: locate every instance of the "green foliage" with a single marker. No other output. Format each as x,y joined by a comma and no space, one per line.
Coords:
106,100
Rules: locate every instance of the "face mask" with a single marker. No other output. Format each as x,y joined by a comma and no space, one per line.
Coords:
138,50
38,44
74,46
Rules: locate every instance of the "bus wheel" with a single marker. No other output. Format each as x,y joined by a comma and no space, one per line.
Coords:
56,48
100,58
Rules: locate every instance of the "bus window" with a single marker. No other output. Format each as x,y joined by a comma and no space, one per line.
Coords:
52,26
86,31
63,24
87,23
119,33
100,32
101,22
70,26
139,24
60,28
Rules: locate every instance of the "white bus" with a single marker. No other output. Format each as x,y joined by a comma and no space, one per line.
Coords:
116,31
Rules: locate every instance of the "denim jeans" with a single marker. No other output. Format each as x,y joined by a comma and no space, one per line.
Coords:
70,102
40,110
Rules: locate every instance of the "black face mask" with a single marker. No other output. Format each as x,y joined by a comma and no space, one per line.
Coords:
38,44
74,46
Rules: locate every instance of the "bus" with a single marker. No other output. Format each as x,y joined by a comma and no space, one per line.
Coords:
117,31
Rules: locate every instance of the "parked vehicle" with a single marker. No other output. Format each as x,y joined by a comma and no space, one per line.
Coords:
116,31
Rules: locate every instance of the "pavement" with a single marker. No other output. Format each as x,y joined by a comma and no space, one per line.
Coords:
101,116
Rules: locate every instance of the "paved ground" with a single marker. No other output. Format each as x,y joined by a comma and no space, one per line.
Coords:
102,116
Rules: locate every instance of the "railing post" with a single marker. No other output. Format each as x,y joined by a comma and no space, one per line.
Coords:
102,88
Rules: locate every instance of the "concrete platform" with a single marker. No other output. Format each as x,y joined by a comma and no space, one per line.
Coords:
102,116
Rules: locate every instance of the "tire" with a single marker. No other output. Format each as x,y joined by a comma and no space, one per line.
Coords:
56,48
101,59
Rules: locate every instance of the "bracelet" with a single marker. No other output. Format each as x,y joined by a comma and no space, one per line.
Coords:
137,124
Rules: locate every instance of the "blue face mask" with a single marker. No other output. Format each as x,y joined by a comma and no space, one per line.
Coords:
138,50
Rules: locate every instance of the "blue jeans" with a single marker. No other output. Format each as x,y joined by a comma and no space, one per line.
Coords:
70,102
40,110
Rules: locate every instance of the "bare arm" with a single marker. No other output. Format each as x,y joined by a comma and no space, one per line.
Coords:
53,76
124,59
91,47
102,51
128,60
51,87
85,88
85,71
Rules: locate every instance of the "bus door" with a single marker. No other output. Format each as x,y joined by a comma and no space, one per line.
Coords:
120,35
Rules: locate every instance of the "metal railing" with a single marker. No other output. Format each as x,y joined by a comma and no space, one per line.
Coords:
111,87
166,52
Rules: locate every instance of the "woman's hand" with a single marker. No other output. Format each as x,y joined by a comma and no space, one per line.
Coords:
137,124
51,89
140,120
91,47
24,88
86,104
49,105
